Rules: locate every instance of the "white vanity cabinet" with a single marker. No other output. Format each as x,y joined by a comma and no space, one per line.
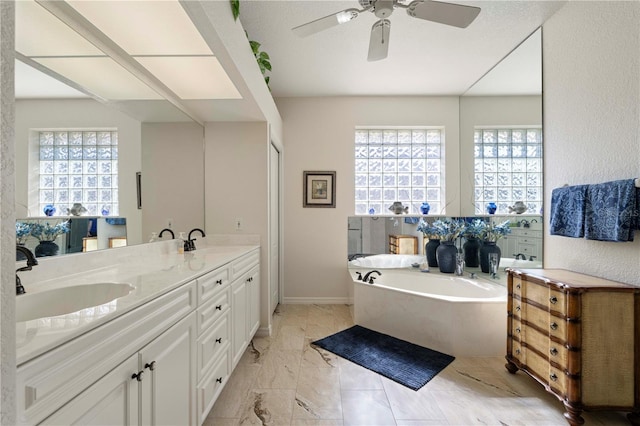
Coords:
155,386
51,380
245,303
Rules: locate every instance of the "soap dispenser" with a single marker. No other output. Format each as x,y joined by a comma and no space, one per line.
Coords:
154,237
181,242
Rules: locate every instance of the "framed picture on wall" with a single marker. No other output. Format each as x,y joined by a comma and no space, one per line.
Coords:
319,189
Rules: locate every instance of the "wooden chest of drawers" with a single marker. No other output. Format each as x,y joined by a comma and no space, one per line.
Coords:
403,244
576,335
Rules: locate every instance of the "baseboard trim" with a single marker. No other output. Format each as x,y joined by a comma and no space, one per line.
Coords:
317,300
264,332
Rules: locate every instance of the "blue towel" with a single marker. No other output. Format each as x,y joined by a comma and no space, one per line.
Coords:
567,211
611,212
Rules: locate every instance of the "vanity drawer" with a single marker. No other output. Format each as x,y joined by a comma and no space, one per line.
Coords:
210,387
243,264
212,344
211,283
213,310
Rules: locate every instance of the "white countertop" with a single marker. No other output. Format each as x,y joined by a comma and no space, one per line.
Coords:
151,274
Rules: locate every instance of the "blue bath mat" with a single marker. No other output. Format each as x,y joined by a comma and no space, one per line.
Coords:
403,362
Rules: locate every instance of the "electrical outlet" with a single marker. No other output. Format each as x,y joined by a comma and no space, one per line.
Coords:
169,223
238,223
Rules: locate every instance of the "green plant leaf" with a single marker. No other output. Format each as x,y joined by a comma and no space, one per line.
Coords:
267,65
235,9
255,46
264,56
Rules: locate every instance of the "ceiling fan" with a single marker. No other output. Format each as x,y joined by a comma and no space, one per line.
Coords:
444,13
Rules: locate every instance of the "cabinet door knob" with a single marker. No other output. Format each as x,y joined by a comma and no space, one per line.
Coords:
518,308
219,380
219,307
553,377
553,326
553,351
138,376
518,330
219,340
150,365
553,300
219,282
518,286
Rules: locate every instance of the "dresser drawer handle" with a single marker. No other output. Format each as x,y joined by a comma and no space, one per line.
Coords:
553,351
517,308
517,351
219,380
219,282
518,330
219,307
553,326
553,377
518,286
219,340
553,300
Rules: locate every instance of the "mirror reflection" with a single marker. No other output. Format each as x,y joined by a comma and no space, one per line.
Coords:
372,235
54,236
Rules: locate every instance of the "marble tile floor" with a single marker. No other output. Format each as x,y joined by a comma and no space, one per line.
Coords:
283,380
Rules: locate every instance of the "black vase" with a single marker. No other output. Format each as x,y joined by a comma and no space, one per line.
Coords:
487,248
47,248
446,254
430,250
470,248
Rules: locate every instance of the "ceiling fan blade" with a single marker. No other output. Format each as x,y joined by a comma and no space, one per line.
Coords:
322,24
456,15
379,42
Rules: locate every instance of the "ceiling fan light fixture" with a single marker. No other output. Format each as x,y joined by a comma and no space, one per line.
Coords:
347,15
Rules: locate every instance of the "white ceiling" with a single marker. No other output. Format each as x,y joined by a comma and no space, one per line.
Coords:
425,58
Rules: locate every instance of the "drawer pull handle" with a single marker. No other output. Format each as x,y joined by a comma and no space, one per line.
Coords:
518,286
518,330
553,300
219,380
219,340
553,377
517,351
219,282
138,376
553,351
554,326
150,365
219,307
518,308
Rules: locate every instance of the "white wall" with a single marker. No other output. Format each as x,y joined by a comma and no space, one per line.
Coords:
489,111
591,69
87,113
237,186
172,177
319,135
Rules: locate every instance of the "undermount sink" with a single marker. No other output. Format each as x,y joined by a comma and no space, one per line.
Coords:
65,300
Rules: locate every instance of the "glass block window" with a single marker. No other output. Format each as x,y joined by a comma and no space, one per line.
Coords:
79,167
405,165
508,168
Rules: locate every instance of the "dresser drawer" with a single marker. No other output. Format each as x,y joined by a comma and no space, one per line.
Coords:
545,296
210,387
213,310
517,287
556,352
518,351
557,327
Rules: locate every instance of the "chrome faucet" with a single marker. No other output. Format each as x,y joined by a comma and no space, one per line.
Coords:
520,256
189,244
369,279
173,236
31,261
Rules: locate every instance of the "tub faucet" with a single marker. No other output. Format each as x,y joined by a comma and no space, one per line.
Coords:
369,279
190,244
31,261
532,258
520,256
173,236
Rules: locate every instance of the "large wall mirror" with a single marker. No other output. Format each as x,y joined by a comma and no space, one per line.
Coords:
506,104
67,85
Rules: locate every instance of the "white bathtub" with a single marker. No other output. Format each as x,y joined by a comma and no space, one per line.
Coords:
455,315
